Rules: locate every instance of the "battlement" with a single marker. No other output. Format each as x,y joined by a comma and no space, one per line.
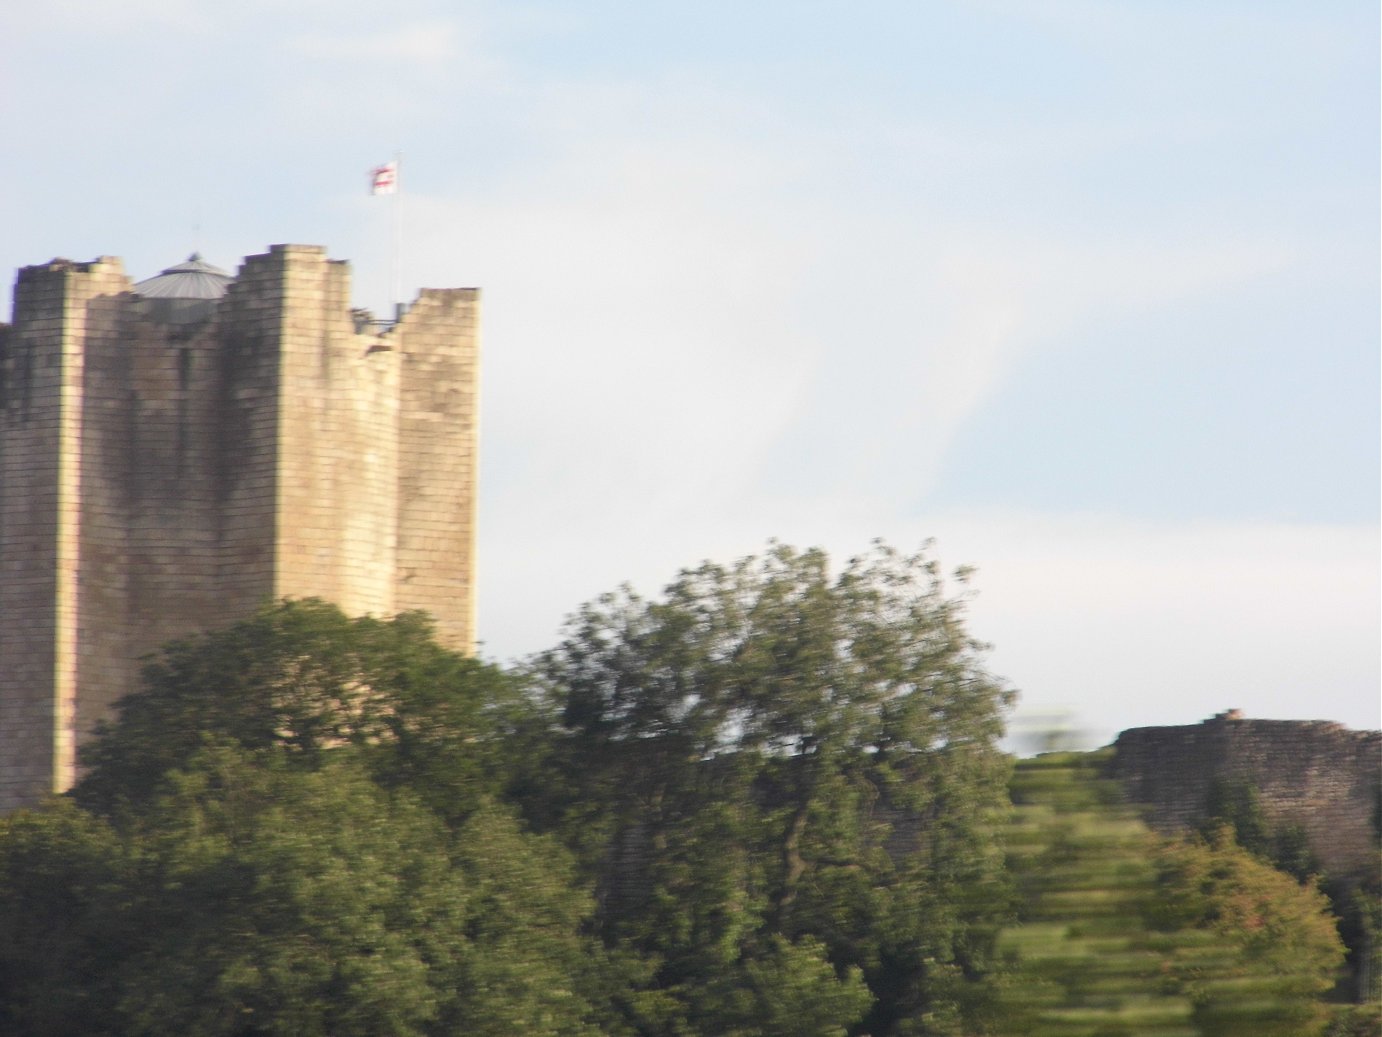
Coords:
175,452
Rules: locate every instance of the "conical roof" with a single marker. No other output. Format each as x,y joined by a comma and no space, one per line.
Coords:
194,279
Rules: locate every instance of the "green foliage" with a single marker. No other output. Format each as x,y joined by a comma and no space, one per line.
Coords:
1276,948
1082,960
293,829
251,897
787,990
302,679
1237,804
61,927
1124,933
524,966
770,754
783,787
1361,924
280,902
769,803
1354,898
1363,1020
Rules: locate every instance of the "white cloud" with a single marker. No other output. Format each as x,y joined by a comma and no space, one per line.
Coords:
720,309
638,279
1119,623
1131,622
1149,25
951,310
90,17
637,319
666,314
427,42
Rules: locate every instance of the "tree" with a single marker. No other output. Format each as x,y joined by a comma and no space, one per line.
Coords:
771,753
1275,946
1081,957
303,679
275,901
61,930
295,828
252,898
525,966
1236,803
1125,933
1356,898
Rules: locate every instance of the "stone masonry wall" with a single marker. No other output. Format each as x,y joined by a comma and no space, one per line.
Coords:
96,302
244,458
38,512
337,442
1321,776
438,461
163,459
158,478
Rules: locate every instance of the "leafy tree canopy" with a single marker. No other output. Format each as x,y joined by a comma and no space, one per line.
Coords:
250,897
770,801
1122,932
295,828
302,679
1270,945
771,752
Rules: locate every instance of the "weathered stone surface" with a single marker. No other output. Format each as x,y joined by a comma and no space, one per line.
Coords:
159,478
1321,776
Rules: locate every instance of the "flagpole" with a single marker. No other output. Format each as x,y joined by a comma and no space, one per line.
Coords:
384,180
396,278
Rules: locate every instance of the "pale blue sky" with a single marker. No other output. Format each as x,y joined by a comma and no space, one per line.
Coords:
1087,291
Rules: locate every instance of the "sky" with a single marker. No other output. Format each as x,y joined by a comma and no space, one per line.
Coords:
1084,293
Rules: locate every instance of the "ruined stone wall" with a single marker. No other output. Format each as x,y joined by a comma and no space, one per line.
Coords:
164,463
39,506
160,477
1321,776
337,441
244,459
438,461
96,300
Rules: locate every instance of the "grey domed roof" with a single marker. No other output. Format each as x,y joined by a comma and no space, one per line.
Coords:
194,279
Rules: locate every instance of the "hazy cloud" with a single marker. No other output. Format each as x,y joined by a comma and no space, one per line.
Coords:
766,279
428,42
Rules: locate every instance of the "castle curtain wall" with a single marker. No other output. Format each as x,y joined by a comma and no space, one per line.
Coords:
1315,774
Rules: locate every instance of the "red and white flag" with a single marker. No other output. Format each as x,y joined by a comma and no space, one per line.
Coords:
384,179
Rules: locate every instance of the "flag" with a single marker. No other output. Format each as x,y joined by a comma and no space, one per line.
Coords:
384,179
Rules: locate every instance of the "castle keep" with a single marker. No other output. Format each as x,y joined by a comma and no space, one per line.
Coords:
176,452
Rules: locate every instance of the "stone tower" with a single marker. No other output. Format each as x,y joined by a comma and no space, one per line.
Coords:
177,452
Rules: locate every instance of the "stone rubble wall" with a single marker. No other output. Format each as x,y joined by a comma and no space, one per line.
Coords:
161,478
39,509
438,450
1321,776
